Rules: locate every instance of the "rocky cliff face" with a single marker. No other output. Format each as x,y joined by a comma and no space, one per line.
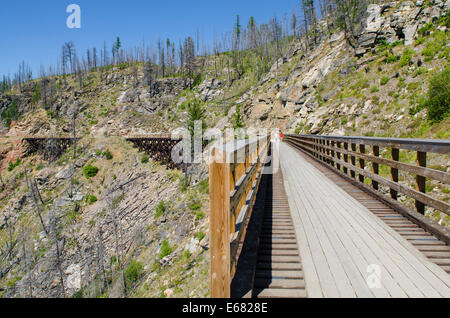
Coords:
394,21
312,92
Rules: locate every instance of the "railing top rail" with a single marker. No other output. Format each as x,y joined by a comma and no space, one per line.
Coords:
236,145
425,145
155,136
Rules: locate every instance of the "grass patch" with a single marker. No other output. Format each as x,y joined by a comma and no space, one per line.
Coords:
160,209
384,80
165,249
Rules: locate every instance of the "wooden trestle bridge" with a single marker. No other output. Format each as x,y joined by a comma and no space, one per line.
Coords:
328,222
322,216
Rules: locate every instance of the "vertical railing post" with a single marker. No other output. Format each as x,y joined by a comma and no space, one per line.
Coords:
316,148
394,171
219,189
346,158
353,158
333,154
421,181
339,155
324,151
376,166
328,152
362,163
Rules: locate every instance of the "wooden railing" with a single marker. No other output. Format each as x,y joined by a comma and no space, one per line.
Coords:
350,155
235,173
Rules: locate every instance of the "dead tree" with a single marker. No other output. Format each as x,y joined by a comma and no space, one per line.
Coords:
118,246
11,243
39,208
59,249
100,257
27,265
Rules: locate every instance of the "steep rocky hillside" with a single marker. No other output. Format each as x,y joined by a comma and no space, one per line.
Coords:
108,222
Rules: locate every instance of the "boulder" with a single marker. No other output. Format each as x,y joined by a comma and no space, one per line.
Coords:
73,280
65,173
367,39
410,33
374,19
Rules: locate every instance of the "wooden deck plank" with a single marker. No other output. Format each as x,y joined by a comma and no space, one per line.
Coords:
352,259
412,245
411,270
363,269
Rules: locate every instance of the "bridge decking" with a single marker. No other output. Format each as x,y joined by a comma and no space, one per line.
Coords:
339,238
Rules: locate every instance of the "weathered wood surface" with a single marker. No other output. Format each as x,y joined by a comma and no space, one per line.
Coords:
339,238
159,147
417,232
50,147
279,272
331,155
235,175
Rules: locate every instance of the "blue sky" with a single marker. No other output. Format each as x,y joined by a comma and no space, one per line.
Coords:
34,31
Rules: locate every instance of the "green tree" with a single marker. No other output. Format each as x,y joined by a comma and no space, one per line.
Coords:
238,120
438,102
196,112
116,48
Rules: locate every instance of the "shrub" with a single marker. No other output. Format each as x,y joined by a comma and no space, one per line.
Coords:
406,58
438,102
238,120
419,71
200,236
195,206
182,185
187,254
90,171
13,165
133,271
160,209
203,186
391,58
91,199
384,80
165,249
374,89
108,155
145,158
199,214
